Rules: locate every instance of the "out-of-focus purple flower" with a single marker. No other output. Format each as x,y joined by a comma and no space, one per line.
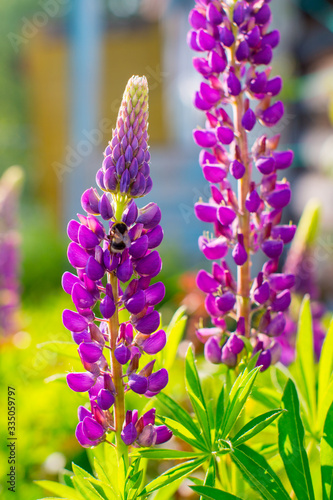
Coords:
235,42
115,258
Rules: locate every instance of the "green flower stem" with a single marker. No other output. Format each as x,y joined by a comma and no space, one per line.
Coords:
117,373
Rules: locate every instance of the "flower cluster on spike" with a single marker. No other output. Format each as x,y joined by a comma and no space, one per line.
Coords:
234,47
115,258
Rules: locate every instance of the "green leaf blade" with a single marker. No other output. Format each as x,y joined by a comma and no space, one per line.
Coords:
291,445
255,426
210,493
326,456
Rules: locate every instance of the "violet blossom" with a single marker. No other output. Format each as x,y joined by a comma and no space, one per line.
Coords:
234,46
113,250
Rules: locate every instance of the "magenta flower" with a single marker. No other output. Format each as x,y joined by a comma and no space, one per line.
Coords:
234,44
113,249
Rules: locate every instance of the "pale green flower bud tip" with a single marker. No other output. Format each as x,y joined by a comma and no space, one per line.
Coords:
136,94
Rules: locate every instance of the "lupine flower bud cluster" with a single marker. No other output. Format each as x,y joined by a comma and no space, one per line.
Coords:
10,187
113,251
234,46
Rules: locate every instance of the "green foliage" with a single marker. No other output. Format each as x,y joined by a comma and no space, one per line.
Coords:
326,456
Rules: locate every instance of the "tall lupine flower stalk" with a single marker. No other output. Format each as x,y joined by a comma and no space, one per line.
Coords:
234,47
115,265
10,189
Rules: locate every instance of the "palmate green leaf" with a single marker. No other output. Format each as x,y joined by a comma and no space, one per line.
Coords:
174,333
59,489
326,456
220,408
82,482
305,361
165,454
210,477
255,426
291,445
239,393
180,415
172,474
325,368
213,493
106,458
195,393
182,432
259,474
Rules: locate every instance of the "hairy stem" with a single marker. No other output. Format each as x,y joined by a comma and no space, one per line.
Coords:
243,187
117,373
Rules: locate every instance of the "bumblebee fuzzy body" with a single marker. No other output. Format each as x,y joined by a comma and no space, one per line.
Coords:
118,237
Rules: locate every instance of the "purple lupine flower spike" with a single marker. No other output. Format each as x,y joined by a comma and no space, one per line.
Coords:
235,43
112,245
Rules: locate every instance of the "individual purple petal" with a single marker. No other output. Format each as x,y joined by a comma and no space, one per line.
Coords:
281,301
105,399
163,434
77,256
122,354
92,429
155,237
204,334
82,438
149,417
265,165
239,254
89,201
285,232
253,37
80,382
130,214
105,207
87,238
274,86
213,173
81,297
264,360
73,230
213,249
154,343
125,271
258,85
204,138
283,159
196,19
205,40
279,198
79,337
233,84
73,321
216,62
226,36
148,436
205,212
261,294
226,302
281,281
239,13
137,383
249,120
139,247
242,51
201,65
68,281
263,15
272,248
129,434
237,169
226,215
228,357
192,41
276,326
263,56
94,269
252,202
213,351
139,185
158,380
111,179
214,16
235,344
149,216
209,94
149,323
225,135
155,293
206,282
107,307
83,412
150,265
136,303
272,38
273,114
90,351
